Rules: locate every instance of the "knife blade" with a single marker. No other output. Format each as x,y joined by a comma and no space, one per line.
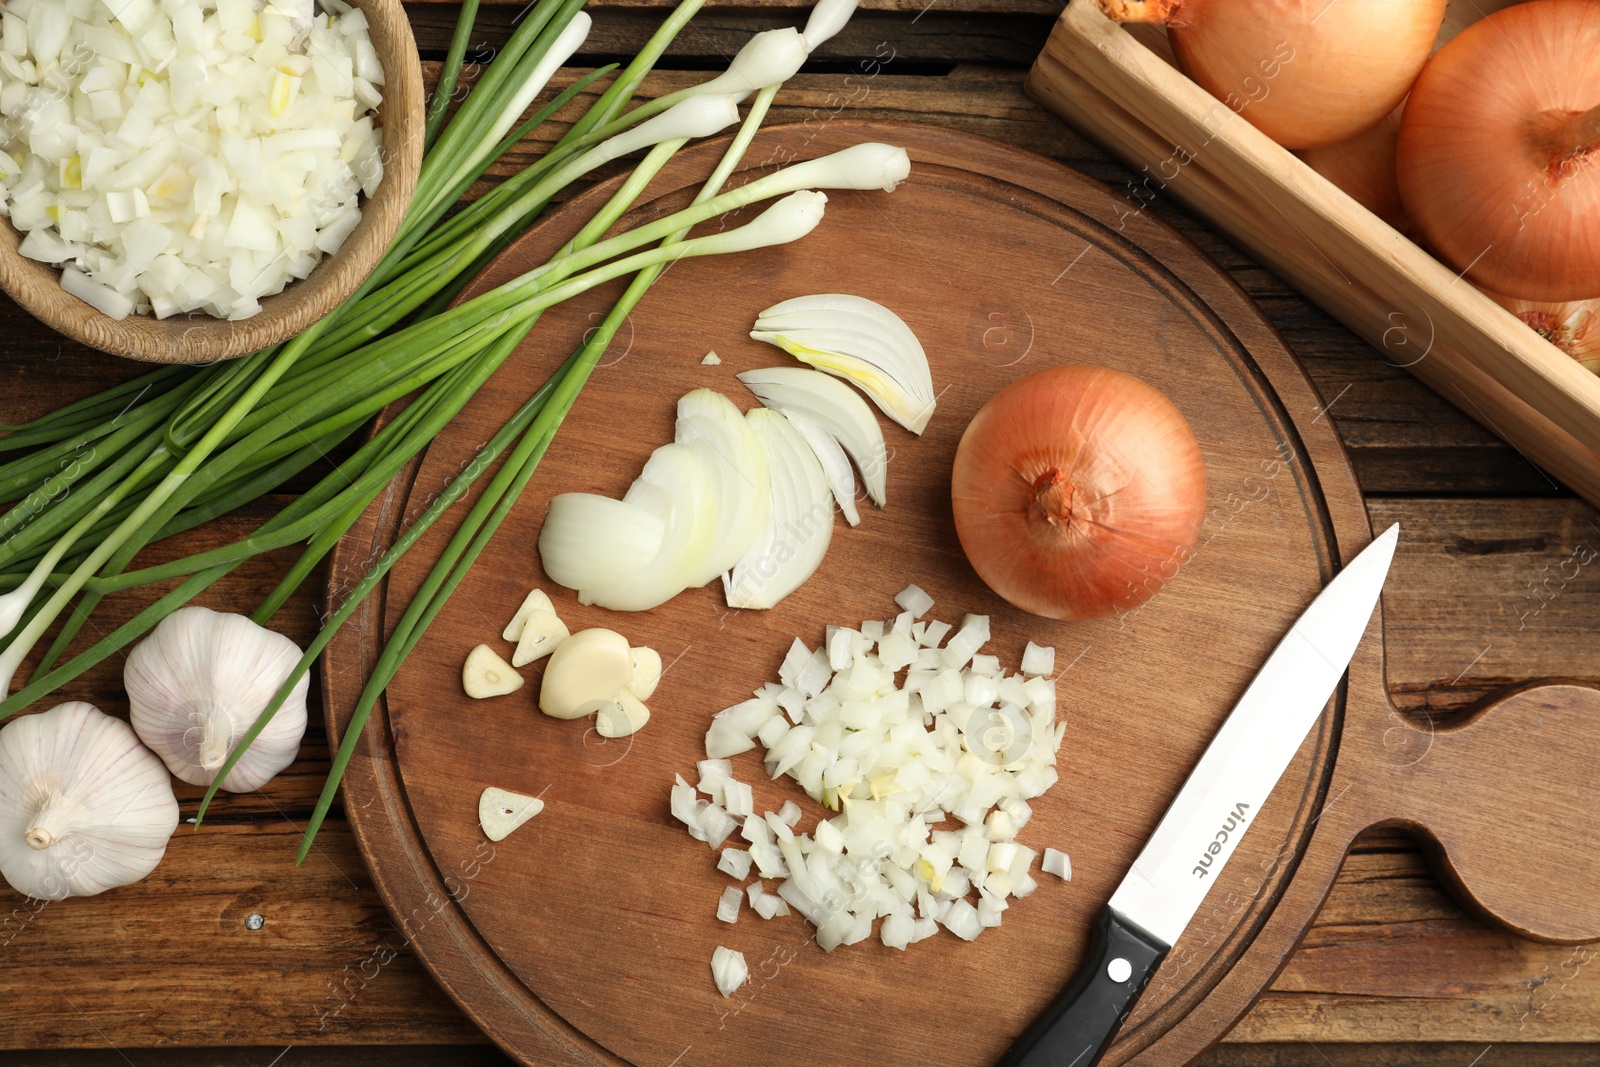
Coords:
1201,829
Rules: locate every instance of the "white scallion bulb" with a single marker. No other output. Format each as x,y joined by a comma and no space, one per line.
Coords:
199,681
83,806
771,57
827,19
561,50
788,220
697,116
864,166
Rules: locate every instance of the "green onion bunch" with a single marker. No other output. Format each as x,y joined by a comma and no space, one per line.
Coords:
94,483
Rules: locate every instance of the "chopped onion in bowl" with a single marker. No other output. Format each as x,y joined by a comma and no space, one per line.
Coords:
171,158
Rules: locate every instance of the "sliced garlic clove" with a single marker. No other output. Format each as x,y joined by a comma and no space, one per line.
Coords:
621,717
486,675
542,634
500,811
646,672
538,600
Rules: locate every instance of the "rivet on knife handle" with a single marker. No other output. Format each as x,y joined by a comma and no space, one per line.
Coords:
1077,1027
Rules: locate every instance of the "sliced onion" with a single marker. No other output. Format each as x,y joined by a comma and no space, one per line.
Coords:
590,540
799,527
835,464
676,487
710,423
837,409
860,341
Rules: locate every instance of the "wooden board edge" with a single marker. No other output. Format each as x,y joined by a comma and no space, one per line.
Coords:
1348,532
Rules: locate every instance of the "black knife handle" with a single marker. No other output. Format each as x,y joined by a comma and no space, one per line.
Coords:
1077,1027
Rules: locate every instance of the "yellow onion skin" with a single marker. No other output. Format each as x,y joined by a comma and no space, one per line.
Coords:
1499,152
1364,168
1306,73
1572,326
1078,492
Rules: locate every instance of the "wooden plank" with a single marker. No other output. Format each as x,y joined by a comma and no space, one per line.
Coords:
929,35
1478,606
1328,1054
796,12
283,1056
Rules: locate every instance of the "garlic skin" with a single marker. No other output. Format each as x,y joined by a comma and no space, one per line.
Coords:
83,806
199,681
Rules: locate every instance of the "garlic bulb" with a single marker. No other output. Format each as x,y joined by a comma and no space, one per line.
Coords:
83,806
199,681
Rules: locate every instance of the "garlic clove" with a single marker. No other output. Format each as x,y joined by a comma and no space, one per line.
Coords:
538,600
588,669
621,717
500,811
542,633
200,681
84,807
646,672
486,675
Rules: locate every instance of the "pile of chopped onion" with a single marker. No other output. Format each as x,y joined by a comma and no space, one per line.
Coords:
899,727
185,156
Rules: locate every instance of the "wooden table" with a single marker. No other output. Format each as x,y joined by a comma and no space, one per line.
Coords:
228,954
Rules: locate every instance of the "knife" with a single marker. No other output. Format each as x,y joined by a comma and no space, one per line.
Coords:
1215,808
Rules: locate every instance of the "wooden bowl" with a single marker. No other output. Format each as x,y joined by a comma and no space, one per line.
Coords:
202,339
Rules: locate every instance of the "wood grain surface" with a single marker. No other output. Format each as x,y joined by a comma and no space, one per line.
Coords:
1134,297
1486,592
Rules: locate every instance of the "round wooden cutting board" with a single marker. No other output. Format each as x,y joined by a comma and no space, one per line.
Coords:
586,936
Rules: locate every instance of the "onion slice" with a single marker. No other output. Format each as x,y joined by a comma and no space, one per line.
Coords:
591,540
677,488
860,341
728,970
799,527
709,423
836,409
835,464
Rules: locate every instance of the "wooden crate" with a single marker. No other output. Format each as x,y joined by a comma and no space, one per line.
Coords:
1121,89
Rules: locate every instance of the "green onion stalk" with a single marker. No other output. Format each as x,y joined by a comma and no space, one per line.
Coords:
186,447
92,494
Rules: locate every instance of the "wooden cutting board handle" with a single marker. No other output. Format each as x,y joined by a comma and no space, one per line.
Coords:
1506,801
